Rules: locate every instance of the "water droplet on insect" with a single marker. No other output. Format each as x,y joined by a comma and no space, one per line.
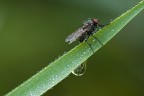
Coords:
112,30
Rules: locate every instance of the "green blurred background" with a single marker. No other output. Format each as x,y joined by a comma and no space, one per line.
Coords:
33,32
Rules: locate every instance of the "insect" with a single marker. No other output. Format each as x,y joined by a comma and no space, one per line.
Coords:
90,26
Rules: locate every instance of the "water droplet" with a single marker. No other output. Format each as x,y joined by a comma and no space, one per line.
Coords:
84,52
64,52
31,93
53,81
73,62
112,30
80,56
56,76
80,70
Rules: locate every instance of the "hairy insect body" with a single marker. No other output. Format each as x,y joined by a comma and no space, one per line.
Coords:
83,32
89,29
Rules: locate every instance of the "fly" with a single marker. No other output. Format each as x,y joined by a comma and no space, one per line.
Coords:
90,26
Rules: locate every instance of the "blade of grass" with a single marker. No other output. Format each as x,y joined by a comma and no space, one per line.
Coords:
63,66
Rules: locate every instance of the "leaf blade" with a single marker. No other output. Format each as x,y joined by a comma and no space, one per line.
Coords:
62,67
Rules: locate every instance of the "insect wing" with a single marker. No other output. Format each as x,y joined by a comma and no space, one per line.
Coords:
80,70
75,35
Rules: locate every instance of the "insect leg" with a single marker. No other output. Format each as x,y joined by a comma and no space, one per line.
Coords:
89,46
105,24
85,37
97,39
102,26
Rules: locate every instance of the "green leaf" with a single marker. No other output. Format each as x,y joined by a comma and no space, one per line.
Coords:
63,66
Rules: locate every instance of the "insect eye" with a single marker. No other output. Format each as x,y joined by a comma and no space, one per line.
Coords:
96,21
